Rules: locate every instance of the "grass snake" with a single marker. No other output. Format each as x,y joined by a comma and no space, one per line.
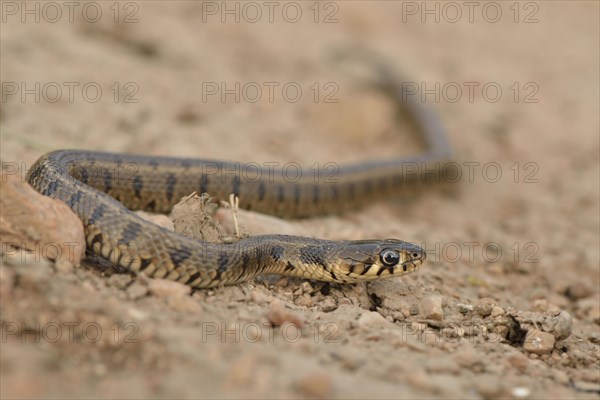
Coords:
102,188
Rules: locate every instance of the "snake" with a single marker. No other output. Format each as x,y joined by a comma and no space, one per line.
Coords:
103,189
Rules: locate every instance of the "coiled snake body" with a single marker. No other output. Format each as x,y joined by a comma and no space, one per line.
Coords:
101,188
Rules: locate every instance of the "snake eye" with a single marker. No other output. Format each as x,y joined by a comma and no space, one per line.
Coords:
389,257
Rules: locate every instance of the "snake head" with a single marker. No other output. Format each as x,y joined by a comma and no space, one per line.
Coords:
367,260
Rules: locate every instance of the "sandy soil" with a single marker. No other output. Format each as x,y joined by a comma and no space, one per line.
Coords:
510,254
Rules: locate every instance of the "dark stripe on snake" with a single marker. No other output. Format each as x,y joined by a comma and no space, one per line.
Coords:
297,195
51,189
223,262
261,191
368,186
138,185
74,200
97,214
193,277
382,184
144,262
170,188
131,232
333,275
335,194
179,255
96,239
84,176
351,267
277,252
351,191
107,177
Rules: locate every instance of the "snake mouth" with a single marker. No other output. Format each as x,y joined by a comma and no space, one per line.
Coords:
411,266
413,260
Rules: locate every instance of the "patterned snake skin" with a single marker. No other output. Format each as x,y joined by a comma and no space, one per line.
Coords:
102,188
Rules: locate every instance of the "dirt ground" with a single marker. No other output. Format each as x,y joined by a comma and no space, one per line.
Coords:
508,303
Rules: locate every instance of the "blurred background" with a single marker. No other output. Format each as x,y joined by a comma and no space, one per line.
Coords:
515,84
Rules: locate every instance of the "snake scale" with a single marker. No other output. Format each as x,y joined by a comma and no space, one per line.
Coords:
102,188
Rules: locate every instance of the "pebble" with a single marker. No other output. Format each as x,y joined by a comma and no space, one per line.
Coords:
594,314
306,287
518,361
501,331
242,370
452,332
328,305
431,308
521,392
560,325
464,308
586,386
345,300
34,277
496,269
497,311
318,385
578,290
444,386
63,265
418,379
137,314
560,376
444,365
136,290
468,358
165,288
260,297
489,386
40,223
305,301
396,304
485,306
120,281
282,282
350,359
100,369
538,342
234,293
543,305
588,309
7,282
278,315
184,303
371,319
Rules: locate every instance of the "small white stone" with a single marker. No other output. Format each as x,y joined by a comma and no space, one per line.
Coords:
521,392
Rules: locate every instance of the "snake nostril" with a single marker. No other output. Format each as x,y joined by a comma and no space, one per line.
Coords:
415,255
